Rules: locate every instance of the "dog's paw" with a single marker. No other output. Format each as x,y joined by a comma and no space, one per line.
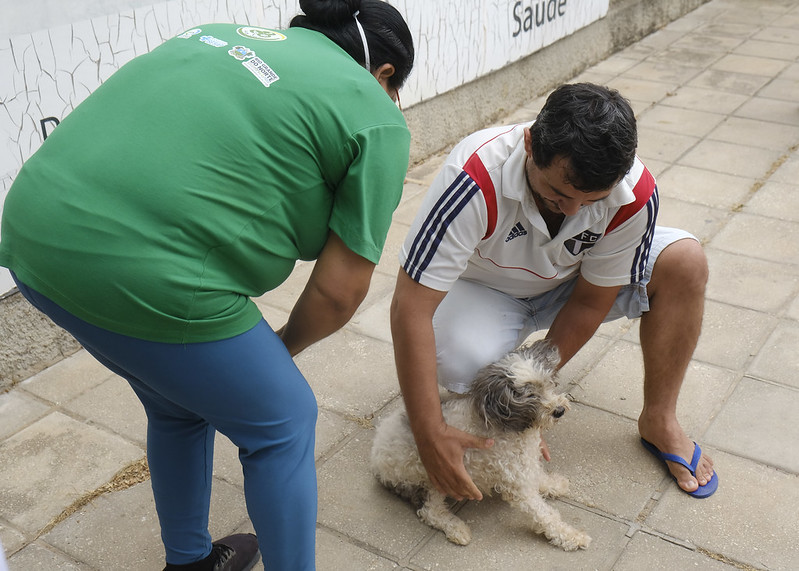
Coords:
459,533
554,486
571,541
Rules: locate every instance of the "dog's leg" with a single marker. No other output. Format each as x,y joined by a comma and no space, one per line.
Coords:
435,513
547,520
553,485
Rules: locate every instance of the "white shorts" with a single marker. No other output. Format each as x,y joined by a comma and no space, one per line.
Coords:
476,325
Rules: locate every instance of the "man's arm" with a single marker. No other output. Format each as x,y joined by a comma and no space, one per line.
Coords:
441,447
337,286
580,317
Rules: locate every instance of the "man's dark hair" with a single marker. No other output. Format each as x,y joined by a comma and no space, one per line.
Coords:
592,126
387,34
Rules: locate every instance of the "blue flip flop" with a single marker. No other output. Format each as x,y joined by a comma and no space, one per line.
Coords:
702,491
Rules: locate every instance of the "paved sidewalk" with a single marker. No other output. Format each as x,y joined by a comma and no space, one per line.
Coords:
717,97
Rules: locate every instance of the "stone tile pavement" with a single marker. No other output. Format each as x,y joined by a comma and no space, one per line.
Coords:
716,96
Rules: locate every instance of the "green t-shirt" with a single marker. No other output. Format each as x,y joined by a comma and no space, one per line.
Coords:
198,174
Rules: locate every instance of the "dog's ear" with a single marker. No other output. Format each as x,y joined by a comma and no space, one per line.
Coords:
502,405
546,354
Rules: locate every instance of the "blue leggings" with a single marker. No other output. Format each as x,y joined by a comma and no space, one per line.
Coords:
246,387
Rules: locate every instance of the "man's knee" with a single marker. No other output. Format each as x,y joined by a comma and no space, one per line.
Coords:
683,264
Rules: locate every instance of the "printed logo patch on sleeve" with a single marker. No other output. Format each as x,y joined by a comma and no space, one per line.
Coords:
189,33
260,70
212,41
260,34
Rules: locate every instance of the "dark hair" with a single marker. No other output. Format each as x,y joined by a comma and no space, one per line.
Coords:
593,127
387,34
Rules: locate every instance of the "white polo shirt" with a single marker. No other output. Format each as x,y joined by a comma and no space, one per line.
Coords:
479,222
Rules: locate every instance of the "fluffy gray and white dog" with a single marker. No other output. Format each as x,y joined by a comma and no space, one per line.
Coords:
512,401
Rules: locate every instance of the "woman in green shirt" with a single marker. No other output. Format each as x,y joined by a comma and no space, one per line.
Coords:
189,182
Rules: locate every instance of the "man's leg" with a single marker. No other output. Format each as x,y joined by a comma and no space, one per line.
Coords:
669,334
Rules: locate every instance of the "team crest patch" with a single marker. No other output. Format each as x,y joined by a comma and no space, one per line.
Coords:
241,53
189,33
260,34
581,242
260,70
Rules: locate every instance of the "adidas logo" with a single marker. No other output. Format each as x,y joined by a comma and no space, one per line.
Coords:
516,231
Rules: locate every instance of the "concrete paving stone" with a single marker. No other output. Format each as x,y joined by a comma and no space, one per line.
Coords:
102,535
642,90
736,159
765,437
502,539
664,146
363,378
656,68
718,27
424,172
389,261
683,55
760,237
114,405
11,540
682,121
778,360
572,373
702,186
704,222
656,167
768,49
406,211
40,556
793,309
750,64
766,109
732,335
777,33
67,379
703,99
708,43
653,553
750,519
375,321
614,65
787,173
600,454
762,134
659,40
733,82
336,553
285,295
787,89
590,76
615,384
17,410
52,463
792,71
352,503
742,281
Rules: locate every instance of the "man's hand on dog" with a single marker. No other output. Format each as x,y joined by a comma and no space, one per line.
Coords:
442,456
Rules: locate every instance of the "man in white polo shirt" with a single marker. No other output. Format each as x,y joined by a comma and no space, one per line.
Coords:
548,226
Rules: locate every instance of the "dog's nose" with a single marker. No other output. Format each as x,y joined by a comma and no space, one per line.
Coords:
558,412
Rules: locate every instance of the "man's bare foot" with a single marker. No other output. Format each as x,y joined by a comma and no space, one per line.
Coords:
674,441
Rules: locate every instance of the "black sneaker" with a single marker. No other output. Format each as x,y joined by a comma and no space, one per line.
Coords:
237,552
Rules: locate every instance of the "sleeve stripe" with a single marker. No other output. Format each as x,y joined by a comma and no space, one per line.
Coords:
429,237
475,168
642,252
643,190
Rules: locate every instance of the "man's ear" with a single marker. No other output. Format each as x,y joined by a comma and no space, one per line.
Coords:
383,72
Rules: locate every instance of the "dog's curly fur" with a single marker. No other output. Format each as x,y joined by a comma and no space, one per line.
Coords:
512,401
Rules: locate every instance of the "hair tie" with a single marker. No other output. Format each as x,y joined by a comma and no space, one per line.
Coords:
363,39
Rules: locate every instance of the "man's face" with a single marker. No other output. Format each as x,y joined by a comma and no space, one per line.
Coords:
553,192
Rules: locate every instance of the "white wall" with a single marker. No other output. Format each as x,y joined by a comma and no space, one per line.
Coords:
53,53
